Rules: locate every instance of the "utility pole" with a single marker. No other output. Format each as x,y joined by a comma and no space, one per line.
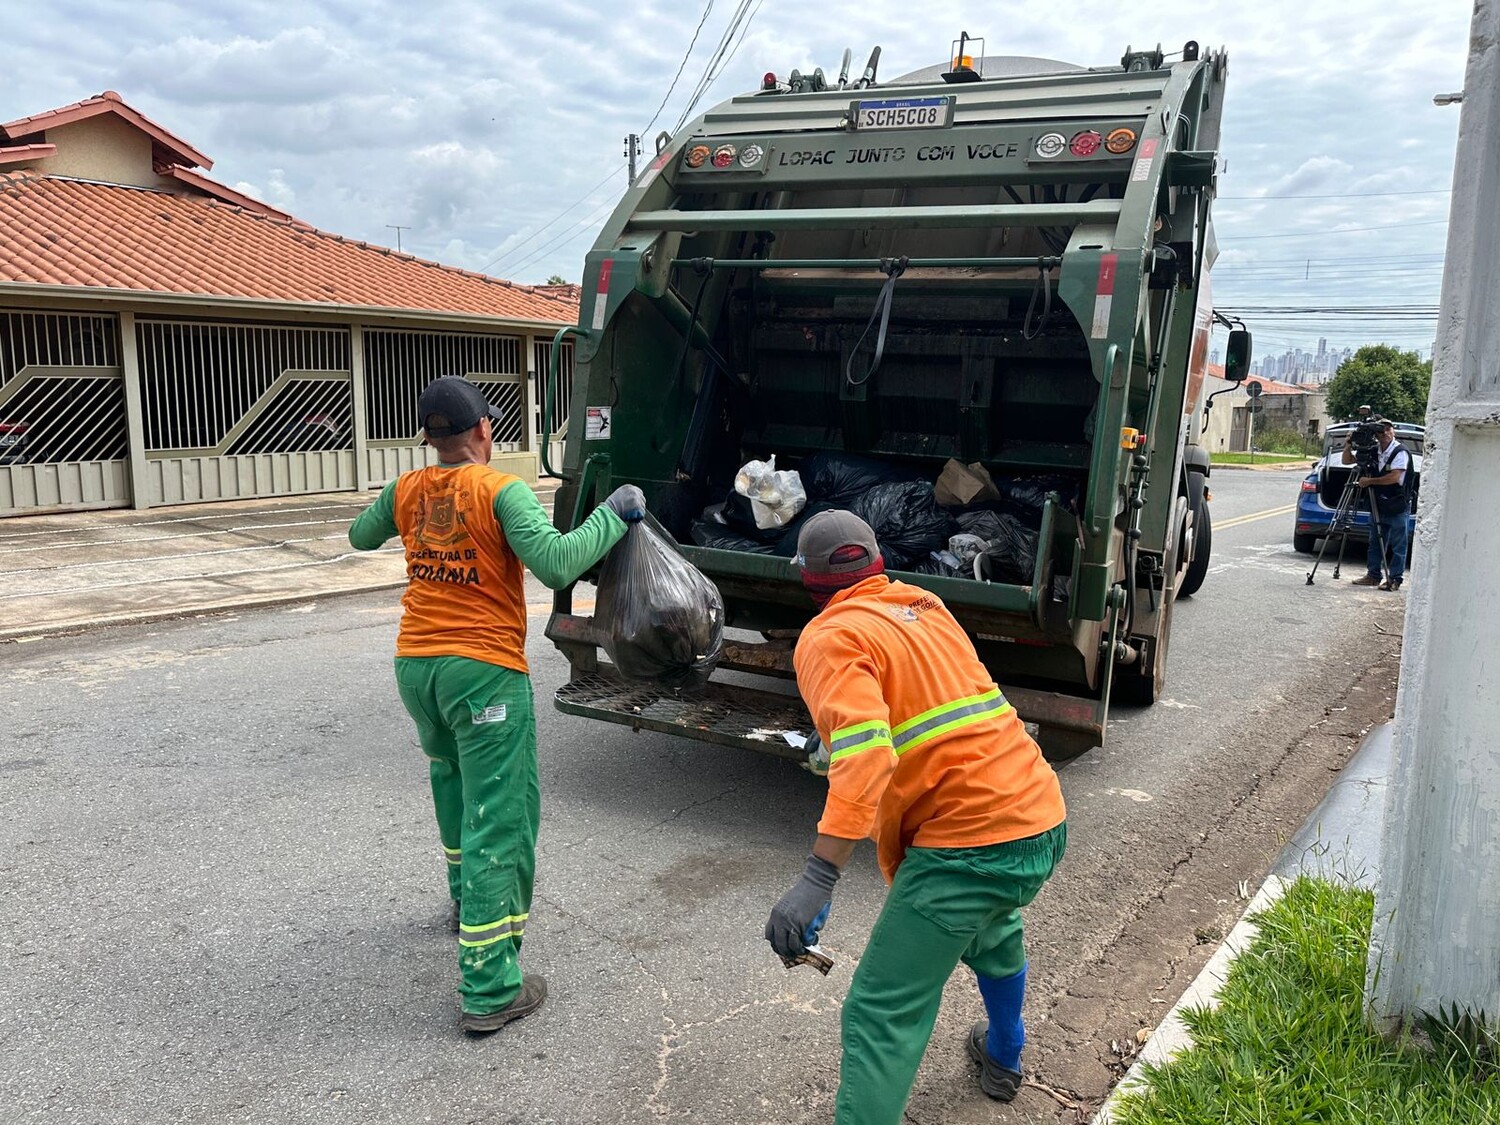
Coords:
1437,901
633,152
398,230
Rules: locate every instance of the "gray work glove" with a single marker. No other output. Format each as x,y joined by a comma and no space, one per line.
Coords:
628,502
797,918
817,755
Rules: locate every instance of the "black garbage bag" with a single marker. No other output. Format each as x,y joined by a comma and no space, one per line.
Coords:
841,478
908,522
657,616
740,518
786,546
1027,495
709,533
1011,554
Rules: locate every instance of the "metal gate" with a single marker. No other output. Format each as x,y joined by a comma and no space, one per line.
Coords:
62,413
562,405
399,363
235,410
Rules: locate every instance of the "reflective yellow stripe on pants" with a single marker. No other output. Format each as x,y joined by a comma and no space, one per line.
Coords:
491,932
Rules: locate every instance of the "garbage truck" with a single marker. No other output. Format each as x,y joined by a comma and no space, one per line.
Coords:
995,267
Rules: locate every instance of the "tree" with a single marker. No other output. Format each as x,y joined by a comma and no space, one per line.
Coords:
557,279
1391,382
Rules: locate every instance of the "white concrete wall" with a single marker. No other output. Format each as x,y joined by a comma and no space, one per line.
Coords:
1436,940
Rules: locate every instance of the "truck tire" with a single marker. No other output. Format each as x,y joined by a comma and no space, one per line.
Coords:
1203,540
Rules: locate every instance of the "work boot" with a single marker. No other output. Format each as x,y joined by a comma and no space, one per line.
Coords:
533,992
999,1082
1367,580
1391,584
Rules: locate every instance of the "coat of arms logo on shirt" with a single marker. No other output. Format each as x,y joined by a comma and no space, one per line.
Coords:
440,519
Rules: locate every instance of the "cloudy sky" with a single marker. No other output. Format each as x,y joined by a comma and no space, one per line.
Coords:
492,131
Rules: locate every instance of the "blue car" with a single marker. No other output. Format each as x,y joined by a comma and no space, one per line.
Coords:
1322,488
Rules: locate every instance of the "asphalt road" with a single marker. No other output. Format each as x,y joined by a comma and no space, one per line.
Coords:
223,898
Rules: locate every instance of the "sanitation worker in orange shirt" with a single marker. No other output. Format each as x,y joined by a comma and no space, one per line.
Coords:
461,670
927,757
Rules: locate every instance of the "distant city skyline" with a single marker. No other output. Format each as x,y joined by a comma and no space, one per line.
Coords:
1298,365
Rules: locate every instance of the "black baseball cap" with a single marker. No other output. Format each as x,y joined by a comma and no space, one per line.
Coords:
459,402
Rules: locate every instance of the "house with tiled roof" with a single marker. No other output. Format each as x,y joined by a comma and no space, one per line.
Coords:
167,338
1234,420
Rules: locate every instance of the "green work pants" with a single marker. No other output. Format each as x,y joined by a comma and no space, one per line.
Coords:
476,724
946,905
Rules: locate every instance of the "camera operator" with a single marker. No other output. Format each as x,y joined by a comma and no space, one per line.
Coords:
1388,504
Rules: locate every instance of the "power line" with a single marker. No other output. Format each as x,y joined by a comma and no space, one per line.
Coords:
571,234
1325,232
508,251
1338,195
707,8
739,23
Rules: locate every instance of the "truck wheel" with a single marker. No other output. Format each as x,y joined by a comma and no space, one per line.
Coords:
1304,544
1203,539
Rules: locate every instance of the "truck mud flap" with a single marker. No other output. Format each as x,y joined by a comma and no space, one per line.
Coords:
725,714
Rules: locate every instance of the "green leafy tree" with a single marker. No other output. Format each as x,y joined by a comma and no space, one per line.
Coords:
557,279
1391,382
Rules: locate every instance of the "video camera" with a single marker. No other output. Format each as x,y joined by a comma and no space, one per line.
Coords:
1365,440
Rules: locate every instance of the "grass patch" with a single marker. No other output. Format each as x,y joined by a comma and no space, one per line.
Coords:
1254,459
1288,1041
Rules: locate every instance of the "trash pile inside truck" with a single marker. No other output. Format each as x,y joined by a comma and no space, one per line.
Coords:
968,523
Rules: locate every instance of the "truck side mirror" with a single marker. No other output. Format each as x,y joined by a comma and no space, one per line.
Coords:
1237,355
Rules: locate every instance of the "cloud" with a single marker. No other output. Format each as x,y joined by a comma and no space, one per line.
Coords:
476,123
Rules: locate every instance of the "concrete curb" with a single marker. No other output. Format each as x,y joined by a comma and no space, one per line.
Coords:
1349,816
1171,1035
147,617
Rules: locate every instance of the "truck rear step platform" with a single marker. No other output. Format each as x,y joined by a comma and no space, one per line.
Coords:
726,714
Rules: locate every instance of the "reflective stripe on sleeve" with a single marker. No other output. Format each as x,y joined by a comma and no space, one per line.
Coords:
859,738
949,716
454,856
491,932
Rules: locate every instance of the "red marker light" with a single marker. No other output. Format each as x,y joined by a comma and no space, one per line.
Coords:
724,156
769,81
1085,143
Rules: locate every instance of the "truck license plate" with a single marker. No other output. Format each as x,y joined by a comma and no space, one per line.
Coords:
903,113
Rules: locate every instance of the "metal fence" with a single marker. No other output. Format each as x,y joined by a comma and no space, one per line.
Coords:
244,389
563,389
61,391
399,363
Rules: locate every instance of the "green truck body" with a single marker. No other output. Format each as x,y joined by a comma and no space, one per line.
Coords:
1040,242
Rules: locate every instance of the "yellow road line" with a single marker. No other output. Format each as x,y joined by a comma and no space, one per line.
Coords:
1253,516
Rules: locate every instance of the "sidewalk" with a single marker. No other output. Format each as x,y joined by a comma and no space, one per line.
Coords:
73,571
1340,841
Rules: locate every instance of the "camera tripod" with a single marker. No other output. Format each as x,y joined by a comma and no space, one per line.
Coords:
1343,520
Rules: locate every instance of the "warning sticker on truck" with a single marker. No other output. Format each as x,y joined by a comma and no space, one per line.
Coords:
596,423
1104,298
1144,157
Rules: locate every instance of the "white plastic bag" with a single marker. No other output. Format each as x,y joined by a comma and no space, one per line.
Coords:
775,497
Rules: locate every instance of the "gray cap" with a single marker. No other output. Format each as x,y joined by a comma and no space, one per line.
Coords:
836,542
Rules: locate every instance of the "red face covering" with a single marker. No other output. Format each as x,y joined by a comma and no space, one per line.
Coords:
822,587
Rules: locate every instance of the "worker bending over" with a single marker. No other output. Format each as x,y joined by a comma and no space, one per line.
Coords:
461,670
926,756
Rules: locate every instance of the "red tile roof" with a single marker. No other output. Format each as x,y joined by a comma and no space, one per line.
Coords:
17,154
59,231
107,102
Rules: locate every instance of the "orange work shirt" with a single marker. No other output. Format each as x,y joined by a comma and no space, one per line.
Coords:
924,749
465,592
